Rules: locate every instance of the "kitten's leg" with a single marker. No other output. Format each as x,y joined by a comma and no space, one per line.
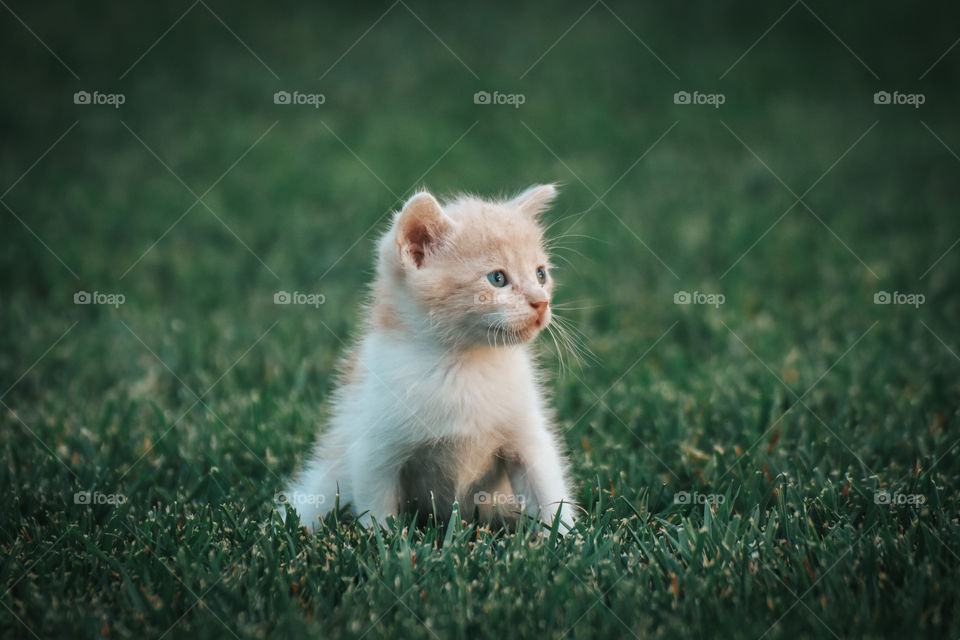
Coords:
537,476
313,493
375,480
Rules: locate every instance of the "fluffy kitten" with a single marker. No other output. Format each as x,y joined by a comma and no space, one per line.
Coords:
440,401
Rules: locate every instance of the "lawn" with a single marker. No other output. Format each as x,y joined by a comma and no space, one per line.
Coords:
776,459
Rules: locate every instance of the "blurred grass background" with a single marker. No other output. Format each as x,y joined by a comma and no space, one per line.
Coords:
798,399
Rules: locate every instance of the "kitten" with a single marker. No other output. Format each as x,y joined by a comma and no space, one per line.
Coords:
440,401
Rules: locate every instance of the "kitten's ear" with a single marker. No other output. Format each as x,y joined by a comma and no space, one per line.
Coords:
535,200
421,227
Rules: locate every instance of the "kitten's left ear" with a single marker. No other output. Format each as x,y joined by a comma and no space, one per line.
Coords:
535,200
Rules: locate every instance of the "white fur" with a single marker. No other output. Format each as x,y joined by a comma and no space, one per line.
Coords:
415,391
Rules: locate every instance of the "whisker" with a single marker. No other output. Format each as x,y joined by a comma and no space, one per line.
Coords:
565,259
564,218
555,248
551,333
575,340
565,306
577,235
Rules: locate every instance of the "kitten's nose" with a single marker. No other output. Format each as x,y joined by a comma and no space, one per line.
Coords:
540,306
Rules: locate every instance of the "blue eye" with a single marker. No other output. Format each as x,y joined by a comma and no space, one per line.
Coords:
541,275
497,278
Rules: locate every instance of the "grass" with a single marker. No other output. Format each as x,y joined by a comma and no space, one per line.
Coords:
787,410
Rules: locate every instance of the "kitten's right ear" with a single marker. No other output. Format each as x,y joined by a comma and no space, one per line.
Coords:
421,228
536,199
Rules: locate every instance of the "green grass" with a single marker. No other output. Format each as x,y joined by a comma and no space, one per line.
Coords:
797,400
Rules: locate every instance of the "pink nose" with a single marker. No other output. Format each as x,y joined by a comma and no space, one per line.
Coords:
540,306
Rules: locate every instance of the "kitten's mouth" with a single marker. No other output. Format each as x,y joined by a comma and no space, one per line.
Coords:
532,328
540,321
522,333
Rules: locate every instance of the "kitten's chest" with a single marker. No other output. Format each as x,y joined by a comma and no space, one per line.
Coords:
484,390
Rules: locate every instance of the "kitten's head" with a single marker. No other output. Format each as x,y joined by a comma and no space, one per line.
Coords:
476,270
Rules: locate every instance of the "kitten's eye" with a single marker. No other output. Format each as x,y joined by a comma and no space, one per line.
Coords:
541,275
497,278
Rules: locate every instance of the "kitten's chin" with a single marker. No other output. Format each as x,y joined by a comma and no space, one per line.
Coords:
528,335
532,329
498,336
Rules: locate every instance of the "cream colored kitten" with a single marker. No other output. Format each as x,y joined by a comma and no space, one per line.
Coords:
440,400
